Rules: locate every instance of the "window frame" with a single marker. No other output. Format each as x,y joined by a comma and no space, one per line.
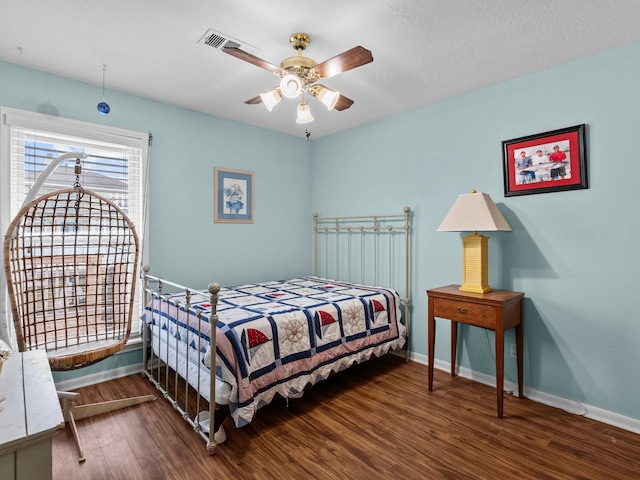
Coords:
12,117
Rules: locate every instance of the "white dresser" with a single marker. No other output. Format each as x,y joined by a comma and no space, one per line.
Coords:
31,415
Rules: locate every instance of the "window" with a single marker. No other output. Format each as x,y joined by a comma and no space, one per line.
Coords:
115,167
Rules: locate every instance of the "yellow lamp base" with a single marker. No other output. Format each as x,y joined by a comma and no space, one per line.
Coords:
475,268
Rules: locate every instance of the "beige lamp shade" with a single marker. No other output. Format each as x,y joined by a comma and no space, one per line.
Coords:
473,212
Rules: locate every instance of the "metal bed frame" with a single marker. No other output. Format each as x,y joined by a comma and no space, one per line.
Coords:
348,241
361,238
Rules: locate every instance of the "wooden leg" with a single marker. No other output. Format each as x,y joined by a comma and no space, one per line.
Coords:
500,369
71,411
454,346
519,359
432,343
91,409
68,404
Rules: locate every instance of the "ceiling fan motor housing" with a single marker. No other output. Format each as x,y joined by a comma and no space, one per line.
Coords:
301,66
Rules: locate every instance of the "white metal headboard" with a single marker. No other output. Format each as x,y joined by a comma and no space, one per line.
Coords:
371,250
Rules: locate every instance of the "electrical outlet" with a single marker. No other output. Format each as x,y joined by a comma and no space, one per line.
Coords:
513,351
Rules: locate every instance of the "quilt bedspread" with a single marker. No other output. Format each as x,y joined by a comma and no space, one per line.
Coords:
278,337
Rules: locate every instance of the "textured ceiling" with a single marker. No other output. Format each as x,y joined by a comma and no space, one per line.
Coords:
424,50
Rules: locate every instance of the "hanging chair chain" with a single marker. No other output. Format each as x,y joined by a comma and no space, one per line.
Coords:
76,186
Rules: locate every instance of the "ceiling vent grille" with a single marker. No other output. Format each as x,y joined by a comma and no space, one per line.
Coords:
219,40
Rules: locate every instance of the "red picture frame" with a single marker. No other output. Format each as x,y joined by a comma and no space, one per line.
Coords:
547,162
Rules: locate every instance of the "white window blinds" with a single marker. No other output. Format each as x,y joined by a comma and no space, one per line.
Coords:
115,168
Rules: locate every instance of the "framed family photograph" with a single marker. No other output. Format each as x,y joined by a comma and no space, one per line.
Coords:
232,196
546,162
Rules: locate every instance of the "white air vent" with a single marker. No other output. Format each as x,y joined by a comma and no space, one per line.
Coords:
219,40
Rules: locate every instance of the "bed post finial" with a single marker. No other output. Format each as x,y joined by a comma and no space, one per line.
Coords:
145,280
214,289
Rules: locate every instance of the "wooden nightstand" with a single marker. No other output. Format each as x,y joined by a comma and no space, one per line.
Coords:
498,310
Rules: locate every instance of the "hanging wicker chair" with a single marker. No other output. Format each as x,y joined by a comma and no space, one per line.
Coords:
71,266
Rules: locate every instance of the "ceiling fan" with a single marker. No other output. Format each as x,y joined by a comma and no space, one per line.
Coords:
299,74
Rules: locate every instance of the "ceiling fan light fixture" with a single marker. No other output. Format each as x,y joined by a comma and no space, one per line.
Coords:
291,86
304,114
298,75
271,99
327,96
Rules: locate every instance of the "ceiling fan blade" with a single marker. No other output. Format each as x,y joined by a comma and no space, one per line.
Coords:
343,103
254,100
247,57
353,58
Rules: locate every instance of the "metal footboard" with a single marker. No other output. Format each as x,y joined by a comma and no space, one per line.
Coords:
180,388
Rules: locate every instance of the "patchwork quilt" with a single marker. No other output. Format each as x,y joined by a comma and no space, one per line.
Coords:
276,338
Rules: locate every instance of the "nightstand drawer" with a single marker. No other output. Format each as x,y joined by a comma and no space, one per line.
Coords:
465,312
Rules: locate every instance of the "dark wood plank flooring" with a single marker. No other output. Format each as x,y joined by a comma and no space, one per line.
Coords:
375,420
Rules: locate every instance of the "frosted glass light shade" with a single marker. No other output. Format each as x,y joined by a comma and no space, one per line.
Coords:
271,99
291,86
304,114
328,97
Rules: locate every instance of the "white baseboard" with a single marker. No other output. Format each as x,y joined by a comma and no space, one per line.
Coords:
571,406
99,377
134,343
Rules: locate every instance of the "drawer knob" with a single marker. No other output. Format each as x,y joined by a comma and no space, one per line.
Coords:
462,310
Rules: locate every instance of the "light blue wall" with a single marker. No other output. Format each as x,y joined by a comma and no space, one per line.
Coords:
573,253
187,246
570,252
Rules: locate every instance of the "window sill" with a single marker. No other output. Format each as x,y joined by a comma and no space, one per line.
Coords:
134,343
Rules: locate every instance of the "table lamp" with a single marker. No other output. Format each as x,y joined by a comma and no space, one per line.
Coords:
473,212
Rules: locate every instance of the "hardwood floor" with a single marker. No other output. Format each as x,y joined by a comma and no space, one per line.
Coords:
376,420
